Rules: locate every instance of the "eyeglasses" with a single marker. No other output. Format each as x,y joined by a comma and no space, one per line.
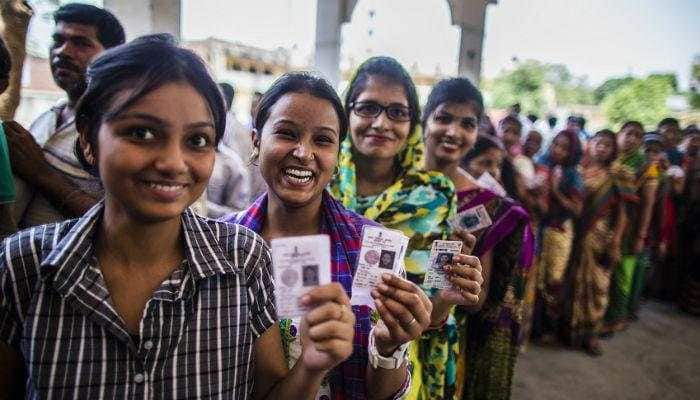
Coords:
372,109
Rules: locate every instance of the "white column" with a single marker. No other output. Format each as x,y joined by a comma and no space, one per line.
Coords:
327,54
148,16
470,16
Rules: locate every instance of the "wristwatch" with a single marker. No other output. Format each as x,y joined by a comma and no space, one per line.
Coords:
394,361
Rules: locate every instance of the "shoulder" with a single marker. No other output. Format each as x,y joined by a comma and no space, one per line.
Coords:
22,253
242,245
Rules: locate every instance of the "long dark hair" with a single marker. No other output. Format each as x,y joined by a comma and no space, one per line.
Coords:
390,70
140,67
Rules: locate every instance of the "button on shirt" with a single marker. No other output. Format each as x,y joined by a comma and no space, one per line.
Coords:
197,335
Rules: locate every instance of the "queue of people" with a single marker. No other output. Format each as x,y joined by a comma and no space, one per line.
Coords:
114,287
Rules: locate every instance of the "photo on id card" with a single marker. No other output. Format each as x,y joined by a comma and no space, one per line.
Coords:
382,251
300,264
441,253
472,219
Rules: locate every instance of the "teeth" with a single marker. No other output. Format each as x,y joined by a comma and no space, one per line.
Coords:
165,187
298,173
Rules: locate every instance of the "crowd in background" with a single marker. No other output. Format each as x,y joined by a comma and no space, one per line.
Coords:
583,226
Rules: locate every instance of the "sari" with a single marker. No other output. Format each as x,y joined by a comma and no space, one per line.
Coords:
418,204
590,268
629,276
490,339
347,380
557,235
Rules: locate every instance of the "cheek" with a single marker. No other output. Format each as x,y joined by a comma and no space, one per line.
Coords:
202,166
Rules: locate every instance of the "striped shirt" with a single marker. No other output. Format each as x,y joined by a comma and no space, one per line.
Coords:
196,337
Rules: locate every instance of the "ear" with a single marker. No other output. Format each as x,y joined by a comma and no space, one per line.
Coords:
255,138
89,152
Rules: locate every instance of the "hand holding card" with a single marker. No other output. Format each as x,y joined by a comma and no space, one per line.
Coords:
382,251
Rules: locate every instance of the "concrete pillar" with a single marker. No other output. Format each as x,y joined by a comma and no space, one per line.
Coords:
147,16
330,16
470,16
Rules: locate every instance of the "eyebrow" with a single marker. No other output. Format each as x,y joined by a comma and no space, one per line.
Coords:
160,122
454,116
322,127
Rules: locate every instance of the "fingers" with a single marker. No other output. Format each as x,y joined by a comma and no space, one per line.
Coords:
398,332
331,292
405,292
468,240
472,262
331,330
404,306
465,285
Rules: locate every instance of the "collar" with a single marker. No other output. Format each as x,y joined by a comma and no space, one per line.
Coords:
74,251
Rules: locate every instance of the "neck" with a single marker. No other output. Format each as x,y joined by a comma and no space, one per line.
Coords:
283,221
451,169
135,243
377,173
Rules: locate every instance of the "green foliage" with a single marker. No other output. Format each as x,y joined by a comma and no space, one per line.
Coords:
643,100
532,83
610,86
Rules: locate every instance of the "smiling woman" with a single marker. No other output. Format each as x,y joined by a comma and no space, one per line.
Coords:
140,276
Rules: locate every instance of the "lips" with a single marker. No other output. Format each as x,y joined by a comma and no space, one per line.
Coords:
166,191
449,144
298,176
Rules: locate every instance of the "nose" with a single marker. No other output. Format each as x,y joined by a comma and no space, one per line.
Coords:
170,159
303,152
381,122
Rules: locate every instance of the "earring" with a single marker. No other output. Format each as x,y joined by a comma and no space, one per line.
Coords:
254,156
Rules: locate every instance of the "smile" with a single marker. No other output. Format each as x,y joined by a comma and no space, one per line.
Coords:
450,145
298,175
167,187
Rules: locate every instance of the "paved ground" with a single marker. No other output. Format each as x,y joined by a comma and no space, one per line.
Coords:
657,358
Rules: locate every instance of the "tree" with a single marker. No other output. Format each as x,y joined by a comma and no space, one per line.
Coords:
643,100
695,83
609,86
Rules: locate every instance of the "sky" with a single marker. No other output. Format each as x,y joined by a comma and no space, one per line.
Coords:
594,38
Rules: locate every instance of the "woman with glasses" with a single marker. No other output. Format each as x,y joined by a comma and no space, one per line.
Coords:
381,177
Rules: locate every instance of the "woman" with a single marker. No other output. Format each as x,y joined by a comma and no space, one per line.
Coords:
140,295
629,276
598,239
565,201
298,129
381,177
489,332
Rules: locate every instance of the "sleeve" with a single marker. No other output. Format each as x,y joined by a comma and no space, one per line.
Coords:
261,288
10,320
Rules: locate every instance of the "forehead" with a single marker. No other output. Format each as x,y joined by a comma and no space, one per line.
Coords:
383,91
73,29
174,102
459,110
306,109
562,140
492,154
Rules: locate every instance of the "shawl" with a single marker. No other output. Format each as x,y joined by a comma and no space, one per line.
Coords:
347,380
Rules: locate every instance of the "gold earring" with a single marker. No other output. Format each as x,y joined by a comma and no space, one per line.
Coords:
254,156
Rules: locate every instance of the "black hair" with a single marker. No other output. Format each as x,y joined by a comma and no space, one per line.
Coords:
635,124
228,92
390,70
483,143
140,67
669,121
512,119
607,133
581,122
532,118
109,30
5,61
300,82
574,119
455,91
552,121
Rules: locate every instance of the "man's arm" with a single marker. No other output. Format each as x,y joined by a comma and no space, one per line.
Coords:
29,163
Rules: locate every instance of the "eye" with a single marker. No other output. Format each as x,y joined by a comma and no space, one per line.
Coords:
368,109
285,133
442,119
400,113
199,141
325,139
142,133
